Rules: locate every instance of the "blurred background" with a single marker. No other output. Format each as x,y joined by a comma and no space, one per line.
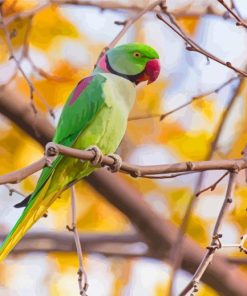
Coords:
57,45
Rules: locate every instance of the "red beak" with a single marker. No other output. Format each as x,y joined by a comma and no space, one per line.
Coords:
152,70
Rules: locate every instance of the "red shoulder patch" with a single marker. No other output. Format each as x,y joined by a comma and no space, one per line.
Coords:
80,88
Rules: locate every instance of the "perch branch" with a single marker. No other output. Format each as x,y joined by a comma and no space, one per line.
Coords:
131,169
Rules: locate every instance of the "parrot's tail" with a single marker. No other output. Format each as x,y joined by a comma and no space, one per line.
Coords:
36,208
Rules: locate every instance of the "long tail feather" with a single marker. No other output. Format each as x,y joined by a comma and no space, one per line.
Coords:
36,208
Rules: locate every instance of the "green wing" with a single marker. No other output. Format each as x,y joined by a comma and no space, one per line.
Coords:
81,107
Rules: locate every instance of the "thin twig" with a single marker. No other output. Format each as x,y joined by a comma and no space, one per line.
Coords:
192,46
13,190
12,56
176,254
25,55
164,115
213,186
127,24
106,5
215,243
82,276
168,176
240,21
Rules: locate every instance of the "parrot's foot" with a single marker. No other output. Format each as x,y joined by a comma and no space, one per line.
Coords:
48,161
116,166
70,228
98,155
51,149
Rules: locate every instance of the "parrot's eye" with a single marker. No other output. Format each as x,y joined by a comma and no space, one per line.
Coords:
136,54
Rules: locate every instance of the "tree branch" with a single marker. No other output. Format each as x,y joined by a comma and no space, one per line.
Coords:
176,253
127,24
192,46
82,275
240,21
199,97
103,243
107,5
215,243
107,244
133,170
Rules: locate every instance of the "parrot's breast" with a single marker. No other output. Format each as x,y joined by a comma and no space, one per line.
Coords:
108,127
119,91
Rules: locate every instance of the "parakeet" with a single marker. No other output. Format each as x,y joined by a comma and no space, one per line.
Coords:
96,113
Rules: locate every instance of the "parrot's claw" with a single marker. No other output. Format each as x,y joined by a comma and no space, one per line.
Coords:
98,158
51,149
70,228
48,161
116,166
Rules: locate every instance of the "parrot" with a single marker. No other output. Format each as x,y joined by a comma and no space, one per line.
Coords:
95,114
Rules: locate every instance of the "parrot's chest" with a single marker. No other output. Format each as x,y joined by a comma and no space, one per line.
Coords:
108,128
119,92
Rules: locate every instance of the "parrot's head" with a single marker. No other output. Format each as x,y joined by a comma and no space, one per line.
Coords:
134,61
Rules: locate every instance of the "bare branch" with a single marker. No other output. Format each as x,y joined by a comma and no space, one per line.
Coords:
13,190
240,21
213,186
176,253
82,275
199,97
105,5
133,170
107,244
25,52
12,56
127,24
18,176
215,244
192,46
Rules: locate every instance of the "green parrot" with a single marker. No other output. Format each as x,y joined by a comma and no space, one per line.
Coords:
95,114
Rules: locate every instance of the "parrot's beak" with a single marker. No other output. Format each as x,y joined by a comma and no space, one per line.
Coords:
152,70
150,73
